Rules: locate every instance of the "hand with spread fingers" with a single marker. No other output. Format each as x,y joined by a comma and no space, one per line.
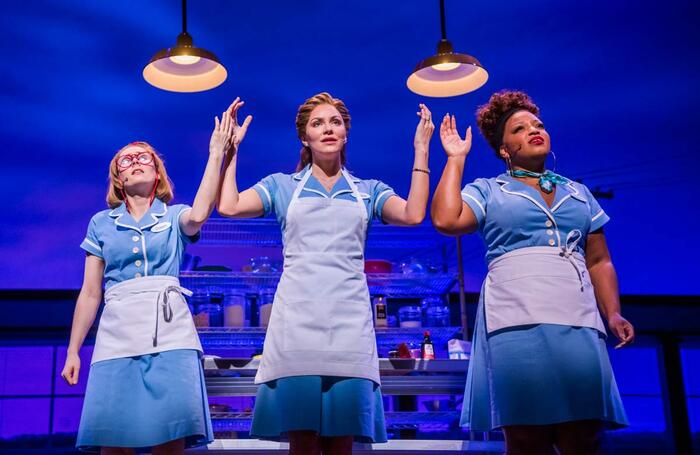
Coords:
222,136
239,131
424,130
453,144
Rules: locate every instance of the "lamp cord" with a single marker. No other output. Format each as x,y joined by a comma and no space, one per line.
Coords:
442,19
184,16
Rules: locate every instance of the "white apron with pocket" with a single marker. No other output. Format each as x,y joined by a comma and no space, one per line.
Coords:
144,316
540,285
321,322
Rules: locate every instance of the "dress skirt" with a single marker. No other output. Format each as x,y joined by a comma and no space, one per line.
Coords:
328,405
145,401
539,374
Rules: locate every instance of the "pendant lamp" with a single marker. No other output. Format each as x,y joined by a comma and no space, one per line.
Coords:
184,67
446,73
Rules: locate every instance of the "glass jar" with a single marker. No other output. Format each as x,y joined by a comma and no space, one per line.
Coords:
267,296
410,316
437,316
199,298
234,306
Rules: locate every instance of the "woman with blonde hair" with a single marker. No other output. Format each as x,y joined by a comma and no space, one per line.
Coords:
146,386
319,374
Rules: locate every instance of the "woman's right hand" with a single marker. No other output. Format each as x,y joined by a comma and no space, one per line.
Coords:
453,144
238,130
71,369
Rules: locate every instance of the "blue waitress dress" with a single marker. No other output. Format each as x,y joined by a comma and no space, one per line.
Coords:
539,355
146,385
319,369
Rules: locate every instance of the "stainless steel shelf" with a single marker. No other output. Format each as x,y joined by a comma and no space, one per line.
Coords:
217,366
388,338
266,233
391,284
397,447
391,385
241,421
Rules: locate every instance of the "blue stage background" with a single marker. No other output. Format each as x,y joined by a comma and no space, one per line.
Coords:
616,82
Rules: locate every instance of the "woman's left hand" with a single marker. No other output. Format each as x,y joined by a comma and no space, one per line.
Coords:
222,136
424,130
622,329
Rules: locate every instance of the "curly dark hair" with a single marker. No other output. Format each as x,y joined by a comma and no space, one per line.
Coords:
500,103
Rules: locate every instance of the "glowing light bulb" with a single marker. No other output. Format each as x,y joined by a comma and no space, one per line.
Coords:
184,59
445,66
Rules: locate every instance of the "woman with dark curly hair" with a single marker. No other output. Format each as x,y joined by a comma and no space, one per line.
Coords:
539,367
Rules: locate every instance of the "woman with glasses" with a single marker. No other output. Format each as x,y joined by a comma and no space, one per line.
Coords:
146,386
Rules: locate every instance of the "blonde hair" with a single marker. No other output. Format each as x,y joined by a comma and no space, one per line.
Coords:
302,119
115,191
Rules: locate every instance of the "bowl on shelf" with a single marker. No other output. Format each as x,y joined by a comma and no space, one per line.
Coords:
377,266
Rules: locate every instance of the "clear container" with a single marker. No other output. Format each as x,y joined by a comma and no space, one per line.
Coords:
213,307
437,316
435,312
199,298
235,310
410,316
267,296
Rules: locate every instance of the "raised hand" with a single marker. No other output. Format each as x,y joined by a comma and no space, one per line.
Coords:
222,137
238,130
424,130
453,144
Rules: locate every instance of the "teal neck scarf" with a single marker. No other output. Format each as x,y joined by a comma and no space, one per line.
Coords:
546,181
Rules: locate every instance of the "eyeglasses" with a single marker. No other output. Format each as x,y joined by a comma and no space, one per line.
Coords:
126,161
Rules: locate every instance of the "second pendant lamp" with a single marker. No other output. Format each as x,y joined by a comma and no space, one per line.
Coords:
183,67
446,73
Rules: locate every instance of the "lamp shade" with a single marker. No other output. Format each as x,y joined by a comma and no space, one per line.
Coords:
447,74
184,68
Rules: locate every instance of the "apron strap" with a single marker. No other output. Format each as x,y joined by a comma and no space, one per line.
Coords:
567,251
355,193
167,309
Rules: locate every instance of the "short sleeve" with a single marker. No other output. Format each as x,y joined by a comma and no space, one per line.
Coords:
186,239
91,243
598,216
380,194
476,196
266,189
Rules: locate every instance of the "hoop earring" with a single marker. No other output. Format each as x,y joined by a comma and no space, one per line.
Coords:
554,155
509,165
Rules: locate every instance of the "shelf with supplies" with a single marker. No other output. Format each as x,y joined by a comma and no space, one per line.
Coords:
388,338
240,421
392,284
409,272
265,232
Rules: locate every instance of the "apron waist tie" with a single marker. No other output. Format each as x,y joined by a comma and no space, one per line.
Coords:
567,251
167,309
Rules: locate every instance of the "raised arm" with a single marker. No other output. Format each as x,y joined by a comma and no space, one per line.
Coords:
232,203
411,211
449,213
221,141
84,315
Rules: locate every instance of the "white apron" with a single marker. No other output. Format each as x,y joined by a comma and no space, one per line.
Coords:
321,322
541,285
144,316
